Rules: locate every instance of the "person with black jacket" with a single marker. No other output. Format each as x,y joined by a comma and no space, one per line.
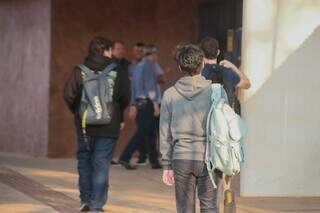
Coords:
94,163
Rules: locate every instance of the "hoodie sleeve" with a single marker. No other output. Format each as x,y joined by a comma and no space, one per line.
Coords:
72,90
166,141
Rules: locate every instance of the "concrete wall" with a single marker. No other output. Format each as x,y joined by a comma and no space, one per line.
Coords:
24,76
75,23
281,52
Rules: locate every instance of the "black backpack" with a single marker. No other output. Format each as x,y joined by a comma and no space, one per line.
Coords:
216,76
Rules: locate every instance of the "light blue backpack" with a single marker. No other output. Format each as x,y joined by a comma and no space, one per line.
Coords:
225,130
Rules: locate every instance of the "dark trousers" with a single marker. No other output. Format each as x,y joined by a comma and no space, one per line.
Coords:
93,168
144,134
143,148
191,176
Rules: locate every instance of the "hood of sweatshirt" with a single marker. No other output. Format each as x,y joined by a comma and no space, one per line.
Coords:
97,62
191,86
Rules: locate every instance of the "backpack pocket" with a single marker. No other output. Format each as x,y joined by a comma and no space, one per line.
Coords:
221,158
236,156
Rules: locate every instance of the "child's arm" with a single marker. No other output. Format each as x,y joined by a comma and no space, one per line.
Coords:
166,141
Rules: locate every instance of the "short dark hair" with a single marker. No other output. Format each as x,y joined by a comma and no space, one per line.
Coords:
189,58
150,49
99,44
210,47
140,44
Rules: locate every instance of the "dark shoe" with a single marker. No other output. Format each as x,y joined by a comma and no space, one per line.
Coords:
141,162
156,166
114,163
127,165
84,207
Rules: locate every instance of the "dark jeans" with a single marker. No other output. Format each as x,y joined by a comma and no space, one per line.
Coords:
93,168
143,148
190,175
145,133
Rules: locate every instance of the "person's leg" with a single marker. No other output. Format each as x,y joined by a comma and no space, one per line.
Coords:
101,159
153,152
207,194
130,148
137,139
185,185
150,130
142,149
84,169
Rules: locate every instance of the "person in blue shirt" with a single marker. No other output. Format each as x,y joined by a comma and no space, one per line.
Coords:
144,107
210,47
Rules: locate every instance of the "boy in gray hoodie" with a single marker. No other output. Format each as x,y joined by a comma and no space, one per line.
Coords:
183,116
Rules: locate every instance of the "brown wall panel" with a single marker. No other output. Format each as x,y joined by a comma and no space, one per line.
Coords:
75,23
24,76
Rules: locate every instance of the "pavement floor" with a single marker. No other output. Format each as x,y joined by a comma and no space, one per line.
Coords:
41,185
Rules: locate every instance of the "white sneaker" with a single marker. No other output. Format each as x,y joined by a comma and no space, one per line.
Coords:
84,207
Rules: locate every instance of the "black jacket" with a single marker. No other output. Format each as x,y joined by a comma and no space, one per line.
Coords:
121,97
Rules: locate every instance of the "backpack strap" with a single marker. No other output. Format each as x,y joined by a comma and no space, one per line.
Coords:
216,97
109,68
216,92
208,161
85,69
88,71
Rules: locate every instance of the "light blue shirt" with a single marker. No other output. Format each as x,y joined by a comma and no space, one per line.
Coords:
145,81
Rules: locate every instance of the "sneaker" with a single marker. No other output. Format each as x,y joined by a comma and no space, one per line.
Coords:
141,162
114,163
84,207
127,165
156,166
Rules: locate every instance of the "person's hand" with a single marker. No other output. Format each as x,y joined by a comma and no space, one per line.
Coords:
167,177
227,64
122,126
132,112
161,79
168,70
156,109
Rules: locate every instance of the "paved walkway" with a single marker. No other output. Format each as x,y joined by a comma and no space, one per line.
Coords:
40,185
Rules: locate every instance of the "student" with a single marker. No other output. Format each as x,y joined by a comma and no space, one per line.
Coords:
210,47
224,73
145,108
119,53
184,110
138,54
97,143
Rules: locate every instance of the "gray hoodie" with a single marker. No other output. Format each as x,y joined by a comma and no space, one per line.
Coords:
184,110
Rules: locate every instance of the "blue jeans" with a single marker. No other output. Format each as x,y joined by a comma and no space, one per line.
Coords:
145,134
93,168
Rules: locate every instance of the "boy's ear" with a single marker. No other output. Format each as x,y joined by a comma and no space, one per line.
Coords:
179,68
218,53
